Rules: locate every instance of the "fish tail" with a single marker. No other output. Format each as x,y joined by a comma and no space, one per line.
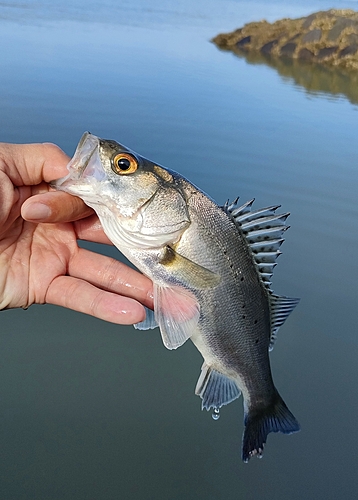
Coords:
260,422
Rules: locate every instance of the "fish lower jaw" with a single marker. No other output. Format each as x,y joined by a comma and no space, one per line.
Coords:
124,238
79,189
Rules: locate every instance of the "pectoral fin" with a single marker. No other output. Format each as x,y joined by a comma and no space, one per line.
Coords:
188,272
177,314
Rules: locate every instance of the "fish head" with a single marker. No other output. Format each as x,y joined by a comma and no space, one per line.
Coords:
132,196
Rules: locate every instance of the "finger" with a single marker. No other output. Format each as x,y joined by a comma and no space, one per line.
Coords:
83,297
110,274
90,229
54,206
30,164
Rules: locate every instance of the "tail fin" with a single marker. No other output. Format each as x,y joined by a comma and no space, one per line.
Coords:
259,423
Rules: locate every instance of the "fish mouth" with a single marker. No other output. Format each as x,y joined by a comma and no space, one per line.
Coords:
84,169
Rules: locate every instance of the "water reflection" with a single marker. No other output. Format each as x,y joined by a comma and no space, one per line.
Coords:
316,79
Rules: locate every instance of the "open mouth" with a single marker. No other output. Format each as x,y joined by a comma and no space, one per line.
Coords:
85,150
84,168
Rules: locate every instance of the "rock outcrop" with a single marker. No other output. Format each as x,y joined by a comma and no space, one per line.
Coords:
326,37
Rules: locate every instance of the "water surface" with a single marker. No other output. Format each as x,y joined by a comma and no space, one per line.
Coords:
93,410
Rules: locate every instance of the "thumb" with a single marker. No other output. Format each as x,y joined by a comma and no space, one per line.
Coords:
54,206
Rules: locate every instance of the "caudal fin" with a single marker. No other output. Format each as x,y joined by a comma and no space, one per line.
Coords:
259,423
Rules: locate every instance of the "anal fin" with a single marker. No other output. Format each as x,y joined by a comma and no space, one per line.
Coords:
215,389
280,308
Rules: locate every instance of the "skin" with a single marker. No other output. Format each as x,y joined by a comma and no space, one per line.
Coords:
40,260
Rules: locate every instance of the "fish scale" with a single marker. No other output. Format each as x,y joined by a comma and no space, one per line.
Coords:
211,268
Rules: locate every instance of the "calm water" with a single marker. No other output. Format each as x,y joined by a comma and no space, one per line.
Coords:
91,410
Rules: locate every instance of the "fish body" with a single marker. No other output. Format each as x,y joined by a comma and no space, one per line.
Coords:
211,269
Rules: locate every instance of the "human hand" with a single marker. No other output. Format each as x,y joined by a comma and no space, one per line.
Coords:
40,260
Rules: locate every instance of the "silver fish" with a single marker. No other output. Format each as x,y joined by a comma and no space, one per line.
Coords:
211,268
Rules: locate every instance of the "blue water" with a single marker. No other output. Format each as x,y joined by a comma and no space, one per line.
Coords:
90,410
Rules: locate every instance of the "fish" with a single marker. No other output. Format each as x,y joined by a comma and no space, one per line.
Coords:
211,268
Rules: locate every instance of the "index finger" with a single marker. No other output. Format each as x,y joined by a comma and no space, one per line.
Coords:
30,164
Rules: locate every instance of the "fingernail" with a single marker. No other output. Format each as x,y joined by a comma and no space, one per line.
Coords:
37,211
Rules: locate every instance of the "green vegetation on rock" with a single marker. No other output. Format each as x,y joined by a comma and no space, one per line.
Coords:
326,37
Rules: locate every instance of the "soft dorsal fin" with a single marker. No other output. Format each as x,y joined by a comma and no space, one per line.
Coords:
264,230
280,309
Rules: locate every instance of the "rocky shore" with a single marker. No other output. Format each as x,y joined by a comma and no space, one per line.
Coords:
325,37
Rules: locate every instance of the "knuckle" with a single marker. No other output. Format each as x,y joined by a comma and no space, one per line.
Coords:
95,304
112,275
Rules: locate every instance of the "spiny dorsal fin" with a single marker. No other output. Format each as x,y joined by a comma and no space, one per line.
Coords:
263,230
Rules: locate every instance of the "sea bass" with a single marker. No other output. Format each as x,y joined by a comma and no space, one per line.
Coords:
211,268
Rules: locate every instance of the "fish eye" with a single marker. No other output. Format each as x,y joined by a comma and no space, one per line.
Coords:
124,163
